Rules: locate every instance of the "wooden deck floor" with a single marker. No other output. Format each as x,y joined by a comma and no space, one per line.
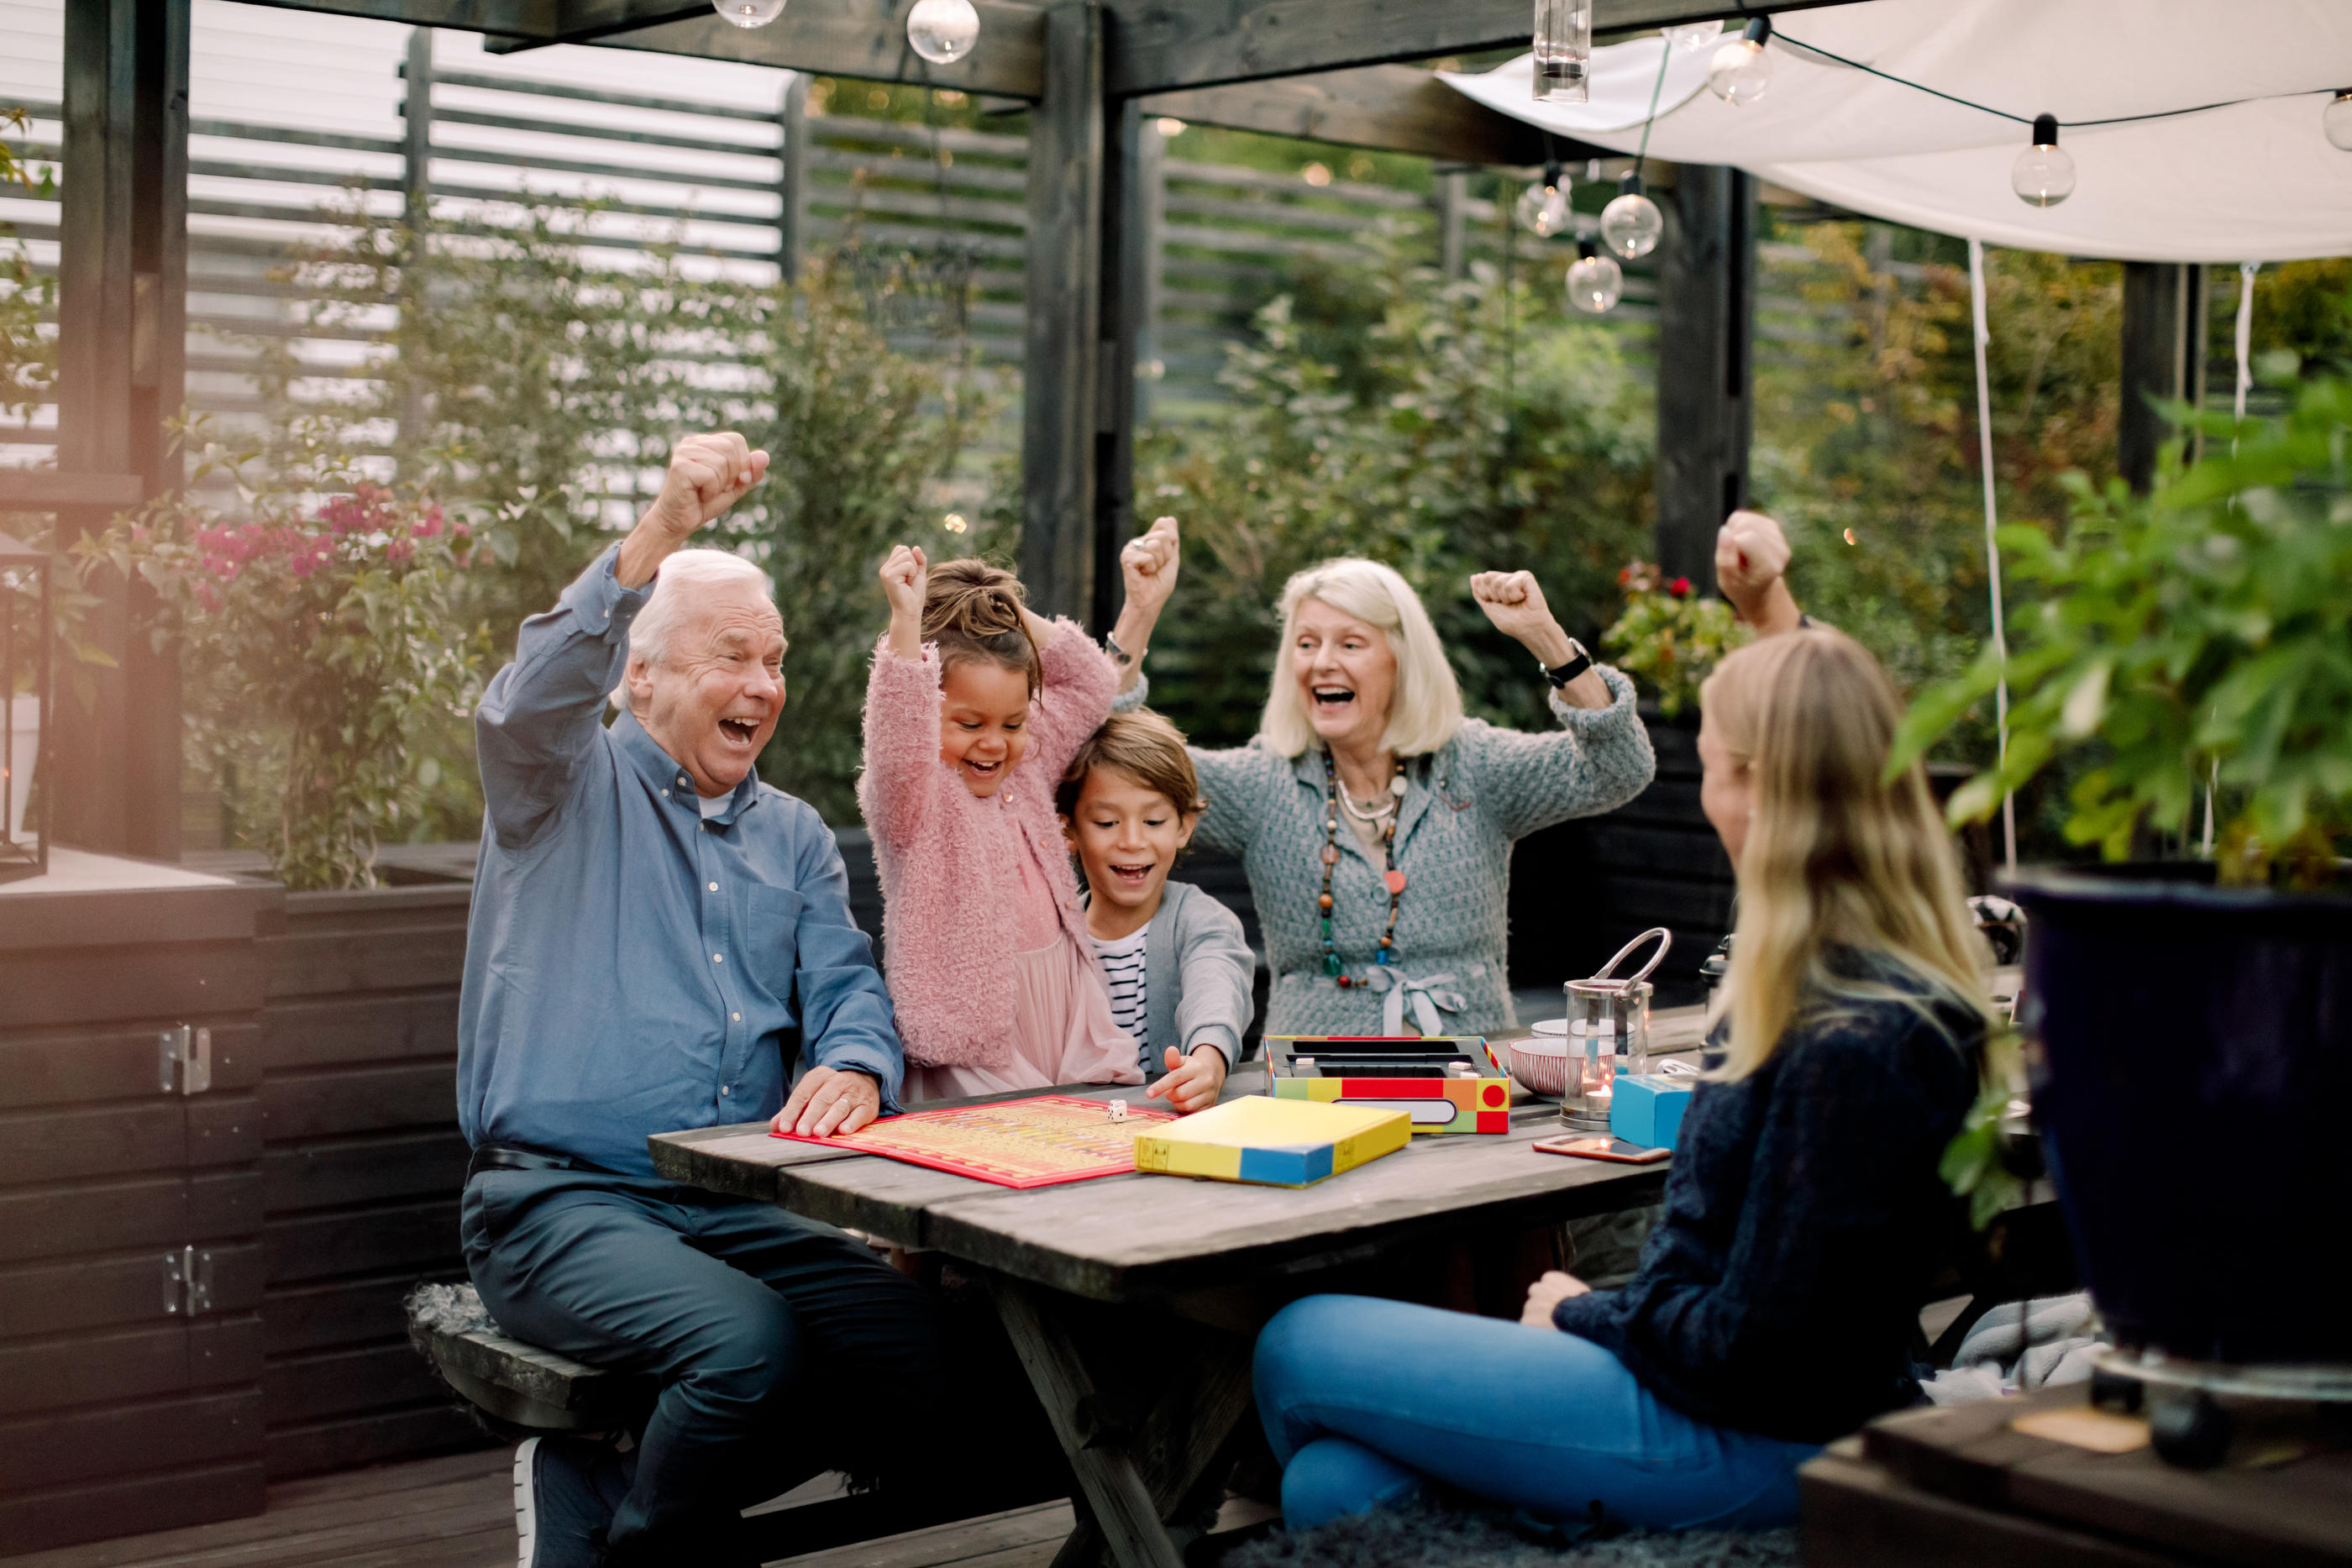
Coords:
458,1513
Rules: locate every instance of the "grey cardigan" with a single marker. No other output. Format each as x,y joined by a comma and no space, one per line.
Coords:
1463,806
1198,977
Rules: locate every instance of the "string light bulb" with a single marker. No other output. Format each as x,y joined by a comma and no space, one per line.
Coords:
1542,207
1595,282
1690,38
2043,175
1739,70
1631,223
748,13
2336,119
942,31
1563,51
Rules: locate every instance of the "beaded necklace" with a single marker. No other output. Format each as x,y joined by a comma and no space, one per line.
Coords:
1391,876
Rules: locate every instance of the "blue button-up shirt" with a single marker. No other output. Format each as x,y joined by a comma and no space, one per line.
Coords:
632,966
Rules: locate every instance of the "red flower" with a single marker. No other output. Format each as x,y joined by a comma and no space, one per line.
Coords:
1679,587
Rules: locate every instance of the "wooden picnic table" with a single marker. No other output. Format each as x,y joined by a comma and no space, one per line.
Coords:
1133,1300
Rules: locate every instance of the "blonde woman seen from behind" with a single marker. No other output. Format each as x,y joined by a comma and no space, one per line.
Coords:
1793,736
1776,1300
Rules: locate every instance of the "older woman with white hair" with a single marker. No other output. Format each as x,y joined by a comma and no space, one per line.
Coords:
1376,821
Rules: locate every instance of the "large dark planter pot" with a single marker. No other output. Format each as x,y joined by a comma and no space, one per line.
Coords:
2197,1050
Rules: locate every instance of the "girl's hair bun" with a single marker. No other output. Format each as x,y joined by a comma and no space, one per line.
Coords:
972,613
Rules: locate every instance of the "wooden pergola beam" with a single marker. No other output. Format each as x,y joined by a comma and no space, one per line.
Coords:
1391,109
856,38
1163,46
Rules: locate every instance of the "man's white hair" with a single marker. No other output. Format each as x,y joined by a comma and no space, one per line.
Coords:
680,588
1425,708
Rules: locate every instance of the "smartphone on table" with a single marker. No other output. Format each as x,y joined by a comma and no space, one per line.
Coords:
1593,1147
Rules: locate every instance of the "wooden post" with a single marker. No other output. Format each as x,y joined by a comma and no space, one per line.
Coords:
121,372
2164,357
416,191
1058,399
1452,203
792,182
416,124
1706,310
1122,314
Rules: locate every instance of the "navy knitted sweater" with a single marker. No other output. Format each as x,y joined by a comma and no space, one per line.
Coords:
1803,1220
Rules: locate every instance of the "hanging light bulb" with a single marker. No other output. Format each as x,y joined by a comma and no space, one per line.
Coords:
2042,176
1693,36
1632,224
1543,206
1594,281
1739,71
942,31
1563,51
2336,121
748,13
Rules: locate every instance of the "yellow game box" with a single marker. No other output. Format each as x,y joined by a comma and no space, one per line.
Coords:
1274,1143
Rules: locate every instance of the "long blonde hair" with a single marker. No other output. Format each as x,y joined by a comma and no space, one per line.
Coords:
1836,854
1425,708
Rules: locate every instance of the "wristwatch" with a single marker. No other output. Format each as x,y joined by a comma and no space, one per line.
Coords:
1579,661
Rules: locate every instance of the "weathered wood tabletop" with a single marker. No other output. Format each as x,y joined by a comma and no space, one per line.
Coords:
1188,1268
1138,1237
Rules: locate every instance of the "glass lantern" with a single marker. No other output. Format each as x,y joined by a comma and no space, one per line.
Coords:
24,681
1608,1036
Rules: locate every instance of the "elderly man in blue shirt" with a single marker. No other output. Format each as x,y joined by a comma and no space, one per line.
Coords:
655,934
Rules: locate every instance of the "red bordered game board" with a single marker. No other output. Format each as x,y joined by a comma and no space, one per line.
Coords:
1013,1143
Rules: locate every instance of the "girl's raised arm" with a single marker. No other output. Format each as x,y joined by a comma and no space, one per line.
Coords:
902,710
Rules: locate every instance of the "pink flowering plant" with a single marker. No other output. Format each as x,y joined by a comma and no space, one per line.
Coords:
1669,636
321,643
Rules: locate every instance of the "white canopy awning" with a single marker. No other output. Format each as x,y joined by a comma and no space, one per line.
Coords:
2250,181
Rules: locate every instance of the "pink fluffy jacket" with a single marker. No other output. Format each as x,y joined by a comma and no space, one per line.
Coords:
947,856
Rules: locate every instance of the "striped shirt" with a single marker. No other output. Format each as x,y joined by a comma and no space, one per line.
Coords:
1122,961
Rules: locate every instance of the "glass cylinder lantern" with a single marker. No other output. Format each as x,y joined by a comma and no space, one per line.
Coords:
24,681
1563,51
1608,1036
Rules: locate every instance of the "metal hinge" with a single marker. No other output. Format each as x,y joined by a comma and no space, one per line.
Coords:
183,1061
187,1282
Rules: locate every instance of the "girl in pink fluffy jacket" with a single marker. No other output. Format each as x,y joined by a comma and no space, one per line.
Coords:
974,708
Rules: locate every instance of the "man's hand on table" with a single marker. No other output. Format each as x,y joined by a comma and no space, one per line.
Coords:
1548,1292
828,1101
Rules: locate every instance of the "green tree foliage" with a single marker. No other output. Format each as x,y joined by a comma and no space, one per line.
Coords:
1867,437
544,389
2200,633
1441,428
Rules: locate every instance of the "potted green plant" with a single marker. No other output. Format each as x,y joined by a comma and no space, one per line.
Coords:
2189,654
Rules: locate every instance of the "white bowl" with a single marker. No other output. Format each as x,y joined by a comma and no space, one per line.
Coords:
1539,1062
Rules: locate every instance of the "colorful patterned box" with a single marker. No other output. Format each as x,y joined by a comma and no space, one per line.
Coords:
1275,1143
1452,1104
1434,1104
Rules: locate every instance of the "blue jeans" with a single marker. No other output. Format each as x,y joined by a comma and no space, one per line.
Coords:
1366,1400
783,1348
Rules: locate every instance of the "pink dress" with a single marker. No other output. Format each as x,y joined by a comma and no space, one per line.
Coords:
1062,1028
984,936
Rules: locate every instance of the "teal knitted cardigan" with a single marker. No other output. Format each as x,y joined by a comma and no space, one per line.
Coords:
1464,804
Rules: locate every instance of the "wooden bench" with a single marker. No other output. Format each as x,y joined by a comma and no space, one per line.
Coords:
521,1386
515,1389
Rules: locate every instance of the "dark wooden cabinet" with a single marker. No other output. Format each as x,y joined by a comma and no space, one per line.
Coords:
132,1254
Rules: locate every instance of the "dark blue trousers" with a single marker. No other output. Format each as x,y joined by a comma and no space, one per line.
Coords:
783,1347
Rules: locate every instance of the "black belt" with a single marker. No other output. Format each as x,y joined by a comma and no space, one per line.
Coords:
513,1157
